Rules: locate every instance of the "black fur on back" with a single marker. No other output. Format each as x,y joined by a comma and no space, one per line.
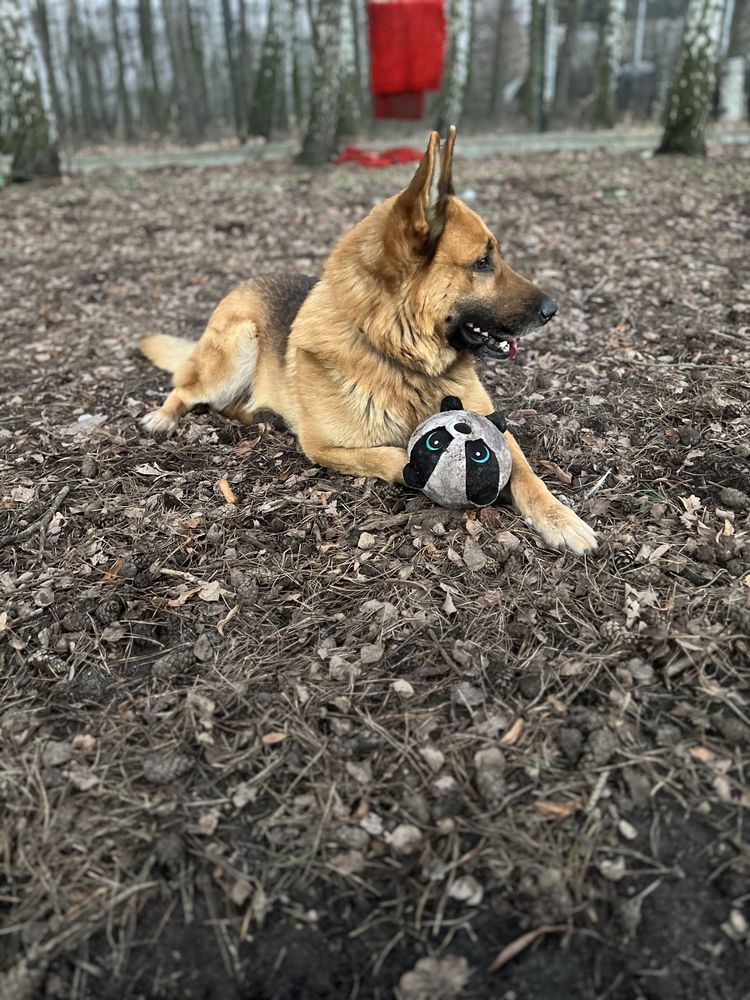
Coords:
283,294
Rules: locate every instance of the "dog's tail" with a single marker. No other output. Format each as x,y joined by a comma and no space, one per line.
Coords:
165,351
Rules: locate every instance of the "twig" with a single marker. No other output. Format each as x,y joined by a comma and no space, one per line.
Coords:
38,525
597,485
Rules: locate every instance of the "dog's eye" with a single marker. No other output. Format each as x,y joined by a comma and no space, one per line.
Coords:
483,264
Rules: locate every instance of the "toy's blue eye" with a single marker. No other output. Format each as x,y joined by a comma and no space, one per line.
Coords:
434,443
479,453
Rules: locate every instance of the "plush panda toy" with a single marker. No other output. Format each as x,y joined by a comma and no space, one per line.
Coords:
459,458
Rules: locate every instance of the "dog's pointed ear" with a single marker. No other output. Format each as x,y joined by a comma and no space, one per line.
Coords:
422,204
446,163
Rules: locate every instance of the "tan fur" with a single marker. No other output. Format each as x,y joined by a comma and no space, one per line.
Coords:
367,357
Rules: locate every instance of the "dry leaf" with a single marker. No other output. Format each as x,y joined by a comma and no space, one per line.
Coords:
514,733
223,622
185,595
702,754
448,606
227,492
434,979
110,575
658,552
403,688
557,810
210,592
271,739
560,474
521,943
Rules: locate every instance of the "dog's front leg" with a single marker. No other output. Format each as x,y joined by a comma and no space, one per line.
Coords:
558,525
381,463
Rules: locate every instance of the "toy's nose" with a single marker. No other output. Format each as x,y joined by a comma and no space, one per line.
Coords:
462,428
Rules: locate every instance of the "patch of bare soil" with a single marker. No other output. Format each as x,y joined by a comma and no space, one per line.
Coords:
330,741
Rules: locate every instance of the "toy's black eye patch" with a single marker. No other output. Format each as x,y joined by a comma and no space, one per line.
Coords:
478,452
482,473
438,440
425,456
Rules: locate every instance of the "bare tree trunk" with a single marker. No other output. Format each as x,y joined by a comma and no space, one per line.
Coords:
185,72
689,98
499,78
244,62
456,72
267,77
152,101
234,79
529,95
25,130
105,119
348,116
608,62
77,55
41,21
320,137
124,114
572,20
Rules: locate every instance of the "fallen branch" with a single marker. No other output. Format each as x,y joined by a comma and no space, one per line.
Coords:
38,525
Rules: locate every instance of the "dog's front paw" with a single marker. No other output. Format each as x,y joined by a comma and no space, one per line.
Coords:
562,529
158,422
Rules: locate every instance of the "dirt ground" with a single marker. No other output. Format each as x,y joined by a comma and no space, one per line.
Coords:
331,741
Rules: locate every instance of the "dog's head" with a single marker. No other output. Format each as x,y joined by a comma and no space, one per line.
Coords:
448,264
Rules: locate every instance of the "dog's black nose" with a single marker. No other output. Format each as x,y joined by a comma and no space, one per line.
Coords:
547,309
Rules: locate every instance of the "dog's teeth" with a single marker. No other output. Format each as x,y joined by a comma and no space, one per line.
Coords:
504,344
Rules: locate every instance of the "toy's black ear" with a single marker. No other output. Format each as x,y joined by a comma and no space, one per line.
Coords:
498,419
451,403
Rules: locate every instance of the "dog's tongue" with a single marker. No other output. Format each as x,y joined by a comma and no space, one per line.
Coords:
513,345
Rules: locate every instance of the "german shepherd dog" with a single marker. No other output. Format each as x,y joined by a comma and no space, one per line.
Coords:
353,362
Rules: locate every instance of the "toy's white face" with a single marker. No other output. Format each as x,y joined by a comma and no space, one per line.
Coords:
462,457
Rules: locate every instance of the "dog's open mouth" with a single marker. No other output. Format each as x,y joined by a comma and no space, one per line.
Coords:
504,348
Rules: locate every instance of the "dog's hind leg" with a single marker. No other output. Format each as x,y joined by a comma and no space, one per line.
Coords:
219,371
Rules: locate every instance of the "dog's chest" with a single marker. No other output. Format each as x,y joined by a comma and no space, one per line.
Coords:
386,413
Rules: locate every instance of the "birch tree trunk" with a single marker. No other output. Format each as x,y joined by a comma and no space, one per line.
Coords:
25,131
549,61
456,71
609,57
732,97
320,136
689,97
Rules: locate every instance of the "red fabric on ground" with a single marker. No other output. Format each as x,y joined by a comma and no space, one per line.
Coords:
407,41
366,158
